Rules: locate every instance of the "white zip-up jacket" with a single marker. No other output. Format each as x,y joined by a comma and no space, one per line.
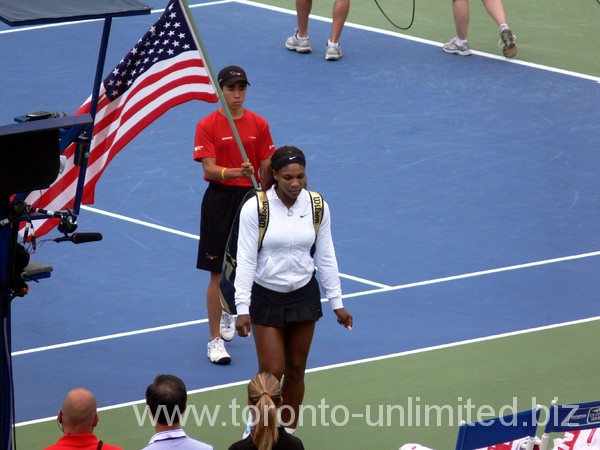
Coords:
284,263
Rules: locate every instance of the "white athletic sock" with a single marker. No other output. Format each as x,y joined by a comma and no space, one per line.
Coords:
332,44
460,42
503,27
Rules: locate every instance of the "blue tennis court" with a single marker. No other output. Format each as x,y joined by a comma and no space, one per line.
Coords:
464,197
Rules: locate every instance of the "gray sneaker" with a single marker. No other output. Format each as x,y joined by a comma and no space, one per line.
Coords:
453,47
508,42
333,52
300,45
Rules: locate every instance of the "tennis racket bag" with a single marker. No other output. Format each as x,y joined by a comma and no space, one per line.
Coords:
227,288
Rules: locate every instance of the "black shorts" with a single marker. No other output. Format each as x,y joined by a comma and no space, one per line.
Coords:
219,207
277,309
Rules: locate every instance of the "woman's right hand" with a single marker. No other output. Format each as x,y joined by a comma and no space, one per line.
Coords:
243,324
344,318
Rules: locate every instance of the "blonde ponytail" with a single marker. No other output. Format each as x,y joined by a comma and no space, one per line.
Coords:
264,391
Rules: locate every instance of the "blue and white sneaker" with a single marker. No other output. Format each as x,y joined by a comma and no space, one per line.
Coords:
215,351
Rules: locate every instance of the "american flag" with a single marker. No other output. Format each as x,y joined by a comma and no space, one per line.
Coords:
164,69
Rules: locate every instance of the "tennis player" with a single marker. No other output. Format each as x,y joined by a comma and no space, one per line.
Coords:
277,294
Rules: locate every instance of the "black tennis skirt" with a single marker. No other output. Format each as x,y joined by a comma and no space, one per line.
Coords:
277,309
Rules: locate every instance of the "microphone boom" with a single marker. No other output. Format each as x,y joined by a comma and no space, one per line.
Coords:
80,238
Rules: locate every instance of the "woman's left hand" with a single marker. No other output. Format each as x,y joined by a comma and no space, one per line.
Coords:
344,317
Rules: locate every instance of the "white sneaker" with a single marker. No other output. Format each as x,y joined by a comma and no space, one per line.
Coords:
216,352
227,326
333,52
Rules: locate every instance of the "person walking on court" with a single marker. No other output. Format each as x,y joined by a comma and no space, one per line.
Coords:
166,399
459,45
77,419
229,180
300,42
276,290
264,397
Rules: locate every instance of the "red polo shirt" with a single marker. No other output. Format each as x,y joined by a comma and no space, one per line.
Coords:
86,441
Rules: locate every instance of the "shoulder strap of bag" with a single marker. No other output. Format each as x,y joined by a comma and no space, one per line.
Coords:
316,201
263,215
317,209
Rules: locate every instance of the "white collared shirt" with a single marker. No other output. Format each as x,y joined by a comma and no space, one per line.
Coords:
175,439
284,263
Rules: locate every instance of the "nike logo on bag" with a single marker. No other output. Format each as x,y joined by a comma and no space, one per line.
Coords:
302,216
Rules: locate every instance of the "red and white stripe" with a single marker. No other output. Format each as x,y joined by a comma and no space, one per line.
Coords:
167,84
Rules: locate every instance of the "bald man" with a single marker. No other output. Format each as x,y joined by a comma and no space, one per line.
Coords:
77,419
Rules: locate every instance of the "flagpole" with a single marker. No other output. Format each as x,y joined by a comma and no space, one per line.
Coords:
83,148
200,44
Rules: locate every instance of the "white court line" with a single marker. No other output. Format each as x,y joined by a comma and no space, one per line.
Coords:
382,287
357,362
477,274
75,22
140,222
195,236
108,337
347,24
355,294
364,281
425,41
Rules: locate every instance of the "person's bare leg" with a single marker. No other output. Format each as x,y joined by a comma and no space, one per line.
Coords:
213,305
495,9
270,349
460,8
341,8
298,338
303,8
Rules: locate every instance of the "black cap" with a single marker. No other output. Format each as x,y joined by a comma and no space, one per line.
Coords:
230,74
